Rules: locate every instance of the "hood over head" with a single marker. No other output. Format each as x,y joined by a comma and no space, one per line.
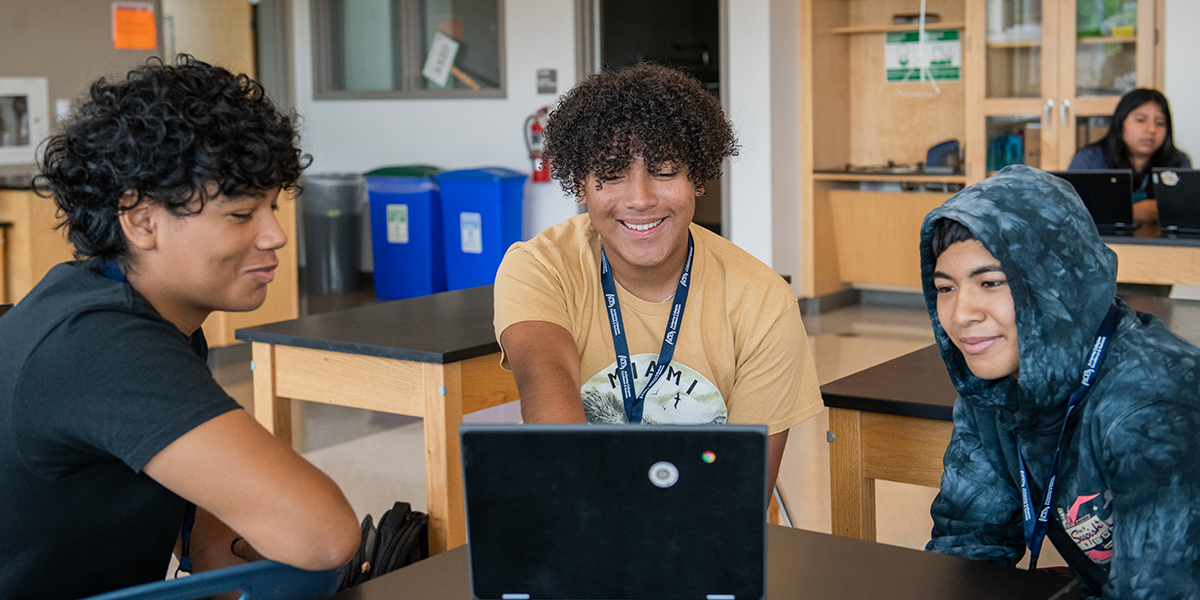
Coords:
1061,275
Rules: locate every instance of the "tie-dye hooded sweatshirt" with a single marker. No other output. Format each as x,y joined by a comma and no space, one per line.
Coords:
1128,492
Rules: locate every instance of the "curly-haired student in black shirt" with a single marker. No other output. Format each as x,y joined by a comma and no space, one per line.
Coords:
166,183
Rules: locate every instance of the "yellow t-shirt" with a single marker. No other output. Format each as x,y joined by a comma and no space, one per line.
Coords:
742,355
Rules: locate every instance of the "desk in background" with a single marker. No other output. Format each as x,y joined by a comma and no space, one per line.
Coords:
893,421
870,241
1147,257
4,227
434,357
800,564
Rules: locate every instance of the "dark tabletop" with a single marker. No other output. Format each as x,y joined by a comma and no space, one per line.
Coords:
800,564
1149,235
440,328
20,181
917,385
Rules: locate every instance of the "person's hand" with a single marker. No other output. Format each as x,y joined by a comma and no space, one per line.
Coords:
1146,211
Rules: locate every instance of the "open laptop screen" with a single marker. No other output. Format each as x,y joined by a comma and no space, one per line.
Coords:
1108,196
1178,194
615,512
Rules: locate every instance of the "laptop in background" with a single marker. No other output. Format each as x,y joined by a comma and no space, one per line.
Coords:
5,308
558,512
1108,196
1178,195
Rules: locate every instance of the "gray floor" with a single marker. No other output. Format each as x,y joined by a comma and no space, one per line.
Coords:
378,458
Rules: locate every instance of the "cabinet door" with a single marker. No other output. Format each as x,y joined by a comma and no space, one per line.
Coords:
1109,50
1020,66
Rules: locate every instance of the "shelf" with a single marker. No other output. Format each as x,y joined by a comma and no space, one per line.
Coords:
1005,44
1015,44
892,28
1108,40
898,177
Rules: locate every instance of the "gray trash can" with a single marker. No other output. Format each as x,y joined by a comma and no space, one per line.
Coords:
331,207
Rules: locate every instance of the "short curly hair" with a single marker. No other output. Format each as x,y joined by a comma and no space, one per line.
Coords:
648,110
170,133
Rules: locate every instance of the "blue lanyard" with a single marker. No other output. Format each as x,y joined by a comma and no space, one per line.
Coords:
634,404
1035,528
185,537
110,270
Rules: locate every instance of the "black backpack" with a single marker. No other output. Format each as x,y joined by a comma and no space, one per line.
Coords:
401,538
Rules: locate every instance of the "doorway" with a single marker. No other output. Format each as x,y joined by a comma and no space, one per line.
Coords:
682,34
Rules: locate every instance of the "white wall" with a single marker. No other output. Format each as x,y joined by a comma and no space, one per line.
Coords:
748,82
358,135
1183,86
785,139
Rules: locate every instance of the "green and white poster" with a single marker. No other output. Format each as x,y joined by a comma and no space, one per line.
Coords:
943,56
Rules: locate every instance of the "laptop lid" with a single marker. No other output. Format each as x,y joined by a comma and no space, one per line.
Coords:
4,308
1107,194
1178,195
557,512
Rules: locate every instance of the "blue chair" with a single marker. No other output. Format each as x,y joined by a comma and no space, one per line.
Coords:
263,580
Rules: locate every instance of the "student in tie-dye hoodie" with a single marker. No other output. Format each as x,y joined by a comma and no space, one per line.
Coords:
1017,283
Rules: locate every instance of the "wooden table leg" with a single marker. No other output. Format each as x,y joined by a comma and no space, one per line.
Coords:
271,411
852,494
443,459
4,261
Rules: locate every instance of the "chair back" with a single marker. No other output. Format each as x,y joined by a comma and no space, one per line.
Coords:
263,580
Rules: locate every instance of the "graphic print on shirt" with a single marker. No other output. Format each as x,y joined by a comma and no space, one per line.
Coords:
1089,523
681,396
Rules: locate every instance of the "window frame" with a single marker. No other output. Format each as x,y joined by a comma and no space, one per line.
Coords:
407,56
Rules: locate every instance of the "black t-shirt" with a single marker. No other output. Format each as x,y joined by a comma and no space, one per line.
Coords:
93,384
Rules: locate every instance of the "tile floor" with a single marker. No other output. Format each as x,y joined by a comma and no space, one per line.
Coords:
377,458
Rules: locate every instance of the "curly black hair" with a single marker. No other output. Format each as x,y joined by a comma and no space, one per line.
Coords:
172,133
648,110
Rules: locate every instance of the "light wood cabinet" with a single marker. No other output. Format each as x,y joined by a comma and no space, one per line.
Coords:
859,229
33,246
1054,71
1026,71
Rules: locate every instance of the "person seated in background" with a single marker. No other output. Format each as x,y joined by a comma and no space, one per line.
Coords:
590,313
1076,415
1140,137
167,184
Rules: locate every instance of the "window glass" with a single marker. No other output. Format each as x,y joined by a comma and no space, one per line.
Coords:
408,48
473,25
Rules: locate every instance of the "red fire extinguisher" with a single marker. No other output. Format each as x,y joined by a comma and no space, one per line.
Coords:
534,138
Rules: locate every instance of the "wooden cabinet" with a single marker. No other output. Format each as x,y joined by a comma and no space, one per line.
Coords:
1053,71
33,246
860,229
1044,71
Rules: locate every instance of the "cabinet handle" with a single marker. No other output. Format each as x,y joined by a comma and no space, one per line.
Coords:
1046,110
1062,111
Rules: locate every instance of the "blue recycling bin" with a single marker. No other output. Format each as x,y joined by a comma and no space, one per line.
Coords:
481,213
406,237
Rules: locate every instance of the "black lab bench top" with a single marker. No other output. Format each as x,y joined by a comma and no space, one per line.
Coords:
439,328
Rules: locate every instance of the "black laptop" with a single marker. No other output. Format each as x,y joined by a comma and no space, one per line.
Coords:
4,308
558,512
1178,195
1108,196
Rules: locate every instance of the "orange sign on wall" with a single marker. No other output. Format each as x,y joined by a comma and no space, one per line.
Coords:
134,26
